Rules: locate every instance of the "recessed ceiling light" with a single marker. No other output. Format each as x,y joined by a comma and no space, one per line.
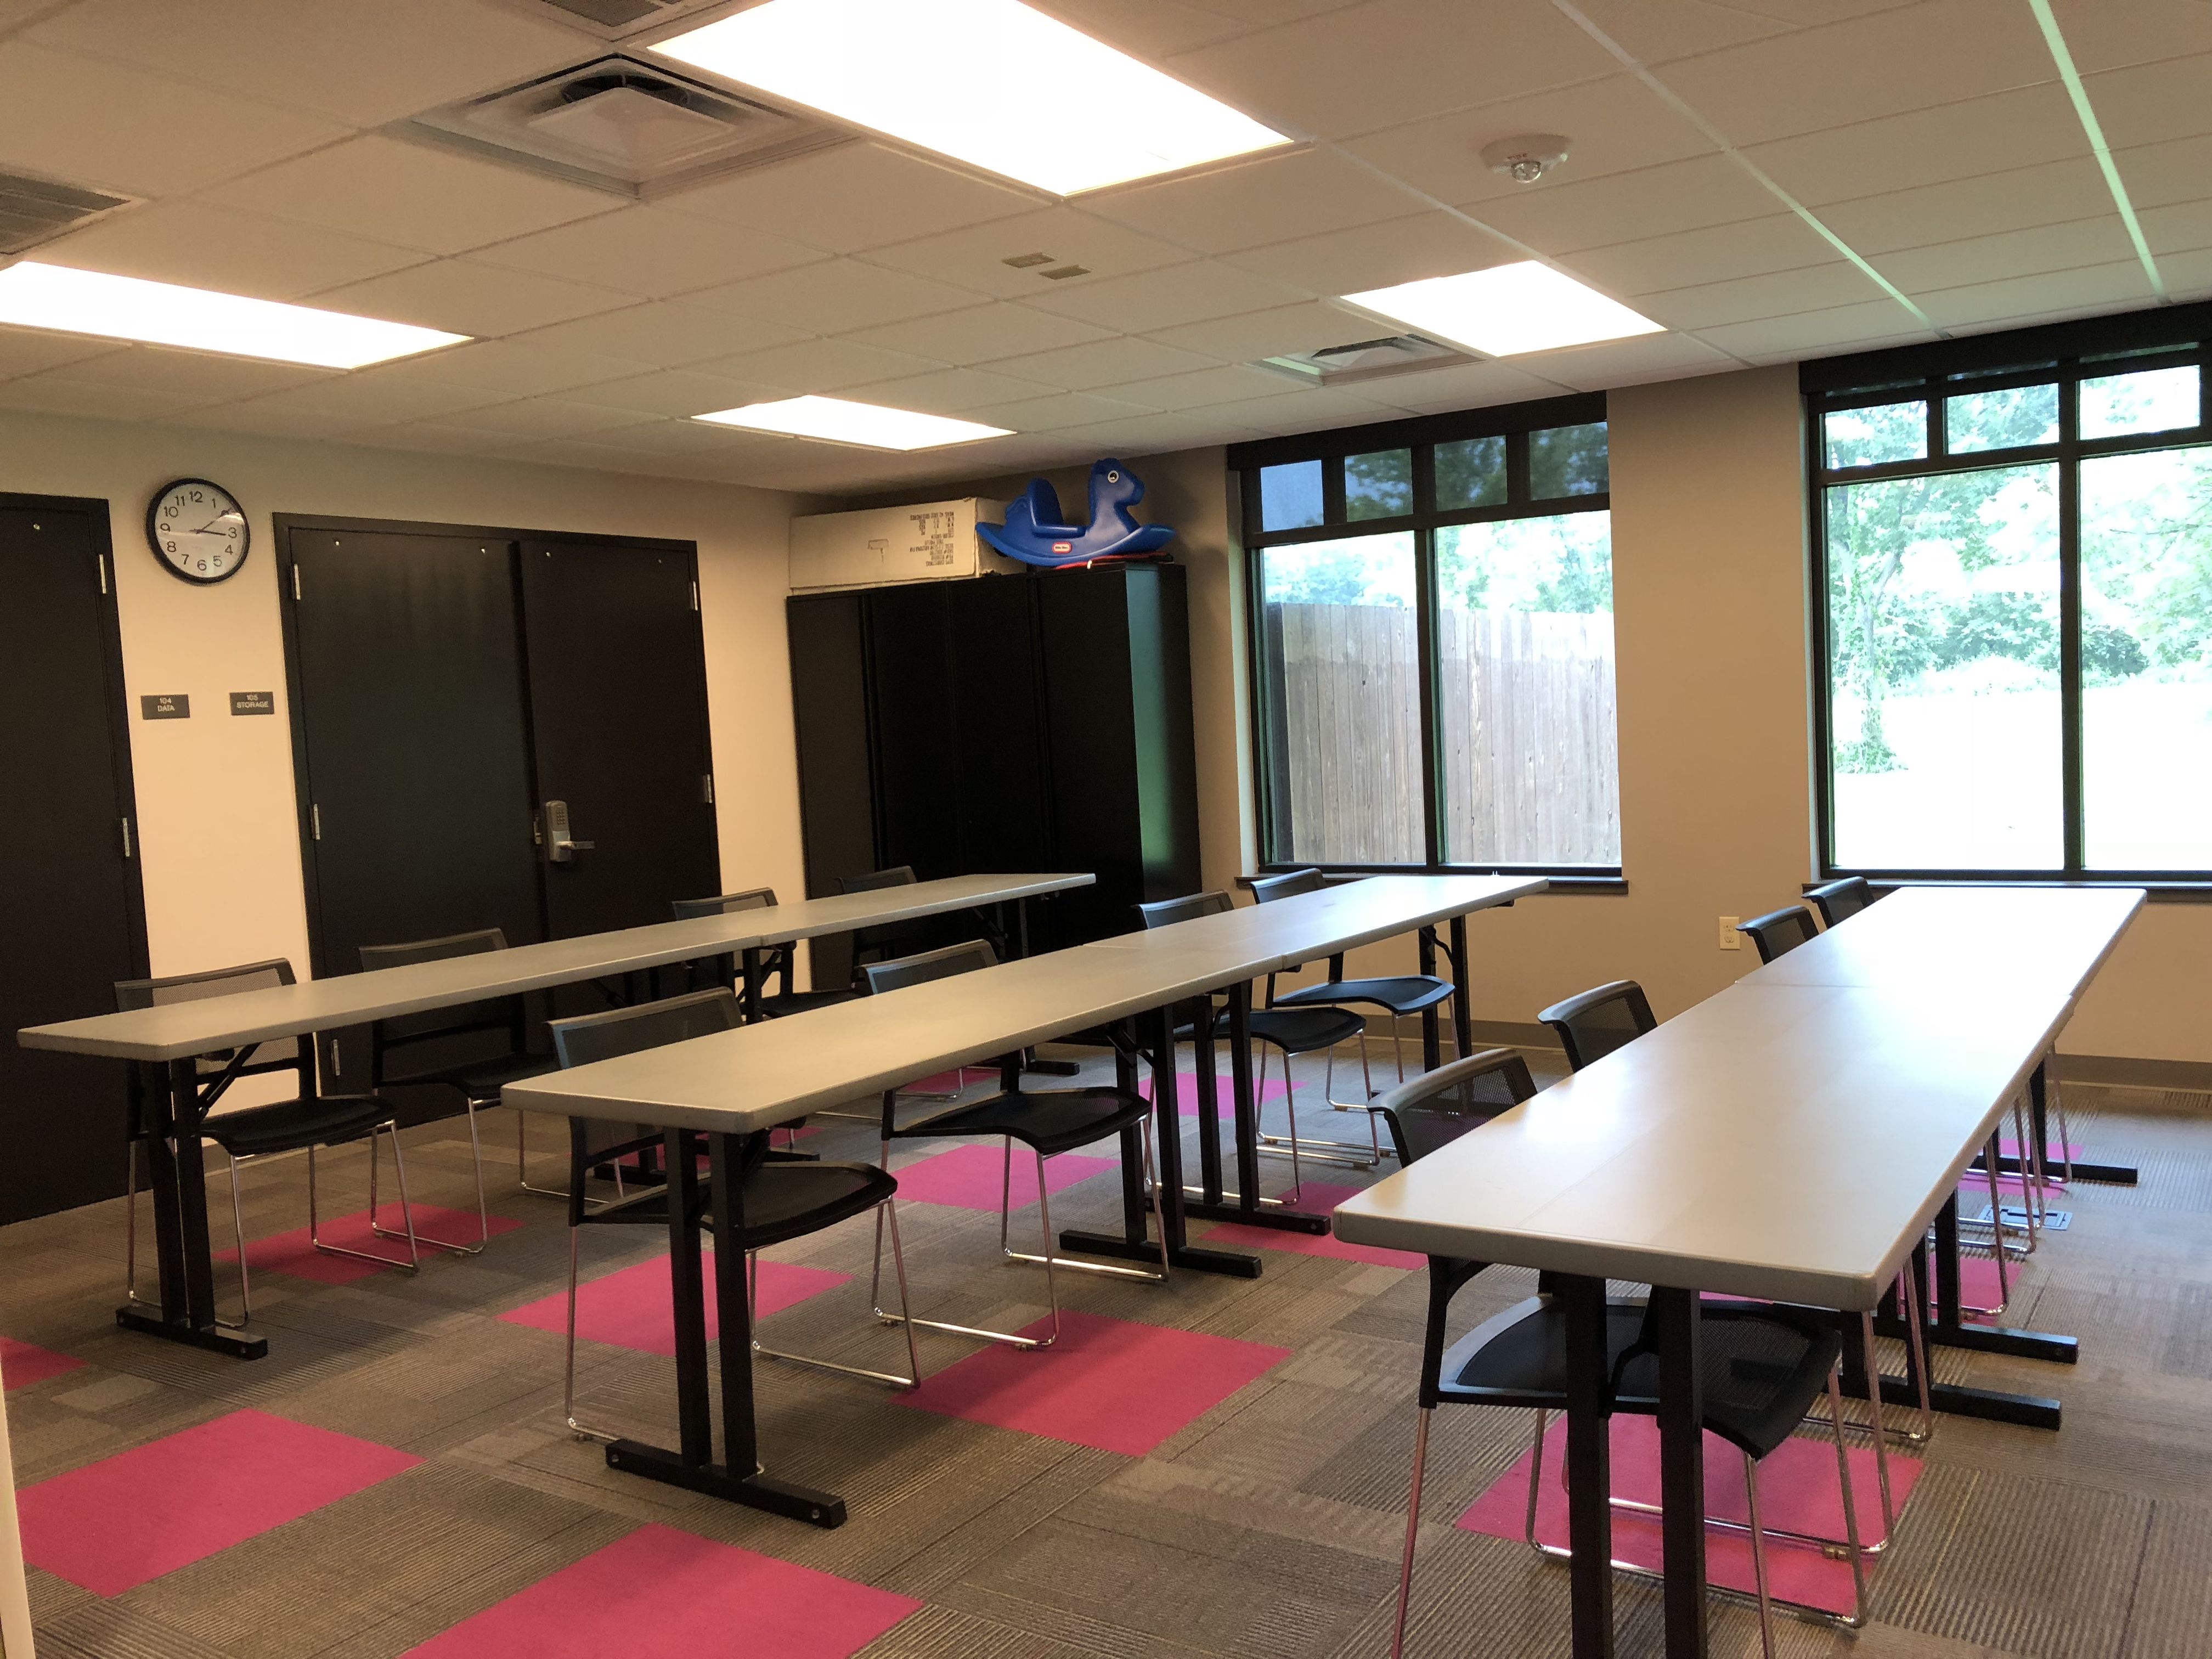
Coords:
990,82
34,295
1507,310
870,426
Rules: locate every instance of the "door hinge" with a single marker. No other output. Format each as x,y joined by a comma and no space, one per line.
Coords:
707,787
100,560
315,818
126,822
695,596
295,581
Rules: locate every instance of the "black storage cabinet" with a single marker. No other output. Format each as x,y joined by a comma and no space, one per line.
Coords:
1001,724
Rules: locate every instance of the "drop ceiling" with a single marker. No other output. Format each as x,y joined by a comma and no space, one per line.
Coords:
1770,180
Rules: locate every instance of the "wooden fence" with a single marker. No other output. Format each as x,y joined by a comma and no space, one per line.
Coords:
1526,707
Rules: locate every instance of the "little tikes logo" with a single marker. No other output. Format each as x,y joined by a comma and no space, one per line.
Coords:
1063,547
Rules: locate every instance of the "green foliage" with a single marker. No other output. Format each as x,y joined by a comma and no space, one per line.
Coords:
1569,460
1471,473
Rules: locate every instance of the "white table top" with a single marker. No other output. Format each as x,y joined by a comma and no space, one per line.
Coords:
2011,936
1779,1141
179,1031
737,1081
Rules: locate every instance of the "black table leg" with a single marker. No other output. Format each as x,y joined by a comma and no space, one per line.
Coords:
1247,1208
1462,1011
1209,1100
752,970
1432,1050
1681,1472
2106,1175
738,1478
178,1179
1589,1471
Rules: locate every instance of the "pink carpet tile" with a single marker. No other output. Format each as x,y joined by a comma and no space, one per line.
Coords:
630,1308
1797,1489
22,1364
971,1178
1316,1198
662,1591
110,1526
1112,1384
293,1253
1225,1098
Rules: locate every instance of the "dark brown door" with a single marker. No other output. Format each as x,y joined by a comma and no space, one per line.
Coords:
72,915
618,715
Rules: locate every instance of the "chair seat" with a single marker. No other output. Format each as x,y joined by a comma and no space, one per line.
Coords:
1051,1121
287,1126
782,1201
1300,1030
1520,1356
481,1080
800,1002
1408,995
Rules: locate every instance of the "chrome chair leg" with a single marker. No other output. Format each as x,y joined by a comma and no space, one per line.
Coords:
483,1209
2057,1101
906,1317
1872,1364
913,1377
1412,1525
414,1262
1850,1506
1349,1154
582,1431
1916,1335
522,1159
1051,1258
1535,1478
131,1225
1759,1559
238,1232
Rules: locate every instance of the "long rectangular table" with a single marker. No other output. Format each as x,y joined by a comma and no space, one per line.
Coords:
739,1083
168,1040
1783,1140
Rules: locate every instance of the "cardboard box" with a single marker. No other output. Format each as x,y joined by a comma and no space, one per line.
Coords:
929,541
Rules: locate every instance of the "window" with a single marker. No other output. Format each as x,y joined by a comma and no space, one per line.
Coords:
2016,559
1432,612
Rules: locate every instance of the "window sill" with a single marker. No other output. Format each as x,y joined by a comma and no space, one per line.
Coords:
2159,891
1582,880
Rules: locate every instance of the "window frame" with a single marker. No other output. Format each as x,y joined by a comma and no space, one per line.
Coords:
1515,423
2068,355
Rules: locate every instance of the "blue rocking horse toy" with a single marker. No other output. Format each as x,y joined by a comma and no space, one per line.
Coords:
1034,534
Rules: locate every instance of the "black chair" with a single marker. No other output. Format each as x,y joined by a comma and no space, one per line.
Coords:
1839,899
1780,931
306,1121
1438,1107
779,964
1592,1025
892,937
782,1198
1048,1122
1762,1366
1292,1031
477,1081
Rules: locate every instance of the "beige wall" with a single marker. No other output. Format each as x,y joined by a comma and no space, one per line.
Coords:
215,813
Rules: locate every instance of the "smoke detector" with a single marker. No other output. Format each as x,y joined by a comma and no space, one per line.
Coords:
1527,158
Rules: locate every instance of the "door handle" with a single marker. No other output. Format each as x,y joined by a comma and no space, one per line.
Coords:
560,847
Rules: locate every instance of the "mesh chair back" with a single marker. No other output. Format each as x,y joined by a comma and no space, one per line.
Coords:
1839,899
919,969
272,1055
760,898
1165,913
1290,885
1780,931
491,1014
898,876
590,1037
1438,1107
1594,1024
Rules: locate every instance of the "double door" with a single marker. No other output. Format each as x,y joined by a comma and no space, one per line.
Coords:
493,729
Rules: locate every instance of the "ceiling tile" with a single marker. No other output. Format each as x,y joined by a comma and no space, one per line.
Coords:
1776,294
111,127
368,399
981,333
949,391
465,298
412,195
975,256
1062,409
820,365
362,63
663,332
516,370
2023,128
28,350
856,196
1464,386
2106,37
1305,411
1269,198
2102,240
679,392
1618,124
200,245
2158,175
1749,247
1818,333
1629,362
649,250
1226,384
1935,52
1681,28
1374,65
438,440
669,437
200,375
2050,194
835,297
1274,333
1984,304
251,417
2153,102
1623,207
1157,434
94,401
547,418
1151,28
2182,227
2187,275
1103,363
1156,299
1431,244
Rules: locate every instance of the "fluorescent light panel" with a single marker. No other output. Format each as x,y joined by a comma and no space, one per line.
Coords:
870,426
34,295
1507,310
990,82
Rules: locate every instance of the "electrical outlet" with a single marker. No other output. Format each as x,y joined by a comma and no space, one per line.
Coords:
1730,940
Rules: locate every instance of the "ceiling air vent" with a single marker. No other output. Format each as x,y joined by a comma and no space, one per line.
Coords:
617,18
1366,360
624,126
35,210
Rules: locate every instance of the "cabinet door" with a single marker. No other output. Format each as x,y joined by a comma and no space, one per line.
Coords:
1083,620
837,793
914,742
1001,805
70,908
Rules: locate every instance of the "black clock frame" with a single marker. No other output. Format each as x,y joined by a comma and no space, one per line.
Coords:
154,535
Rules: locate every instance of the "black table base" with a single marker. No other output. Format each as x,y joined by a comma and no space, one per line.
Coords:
214,1338
756,1491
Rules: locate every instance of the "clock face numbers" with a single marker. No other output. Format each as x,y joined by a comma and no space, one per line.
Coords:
197,530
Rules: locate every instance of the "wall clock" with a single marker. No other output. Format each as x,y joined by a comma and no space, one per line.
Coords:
197,531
